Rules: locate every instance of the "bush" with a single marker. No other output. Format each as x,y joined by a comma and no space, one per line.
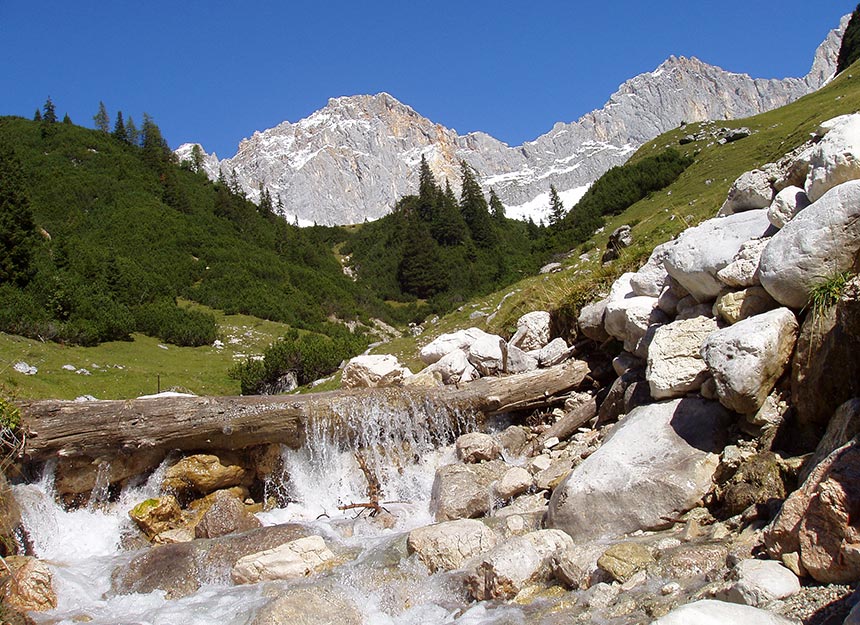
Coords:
169,322
309,356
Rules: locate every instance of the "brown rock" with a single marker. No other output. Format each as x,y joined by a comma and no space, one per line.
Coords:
204,474
29,586
180,569
10,517
226,515
825,369
622,560
157,515
819,520
758,480
78,475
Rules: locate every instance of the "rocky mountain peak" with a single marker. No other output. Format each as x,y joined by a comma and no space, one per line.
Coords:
352,159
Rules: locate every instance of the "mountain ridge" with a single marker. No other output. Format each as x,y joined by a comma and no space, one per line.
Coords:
352,159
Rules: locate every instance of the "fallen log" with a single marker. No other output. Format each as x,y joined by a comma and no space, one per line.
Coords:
103,430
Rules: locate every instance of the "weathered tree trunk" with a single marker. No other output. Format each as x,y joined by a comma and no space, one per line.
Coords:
104,430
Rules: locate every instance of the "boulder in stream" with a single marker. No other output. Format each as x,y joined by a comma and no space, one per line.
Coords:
295,559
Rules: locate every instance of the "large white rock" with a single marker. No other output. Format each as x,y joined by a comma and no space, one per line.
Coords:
820,242
651,277
373,371
675,366
454,367
658,462
519,361
446,546
532,331
447,343
836,158
553,353
743,270
488,353
711,612
521,560
295,559
515,481
628,320
700,252
477,447
761,581
751,190
463,491
747,359
786,205
590,321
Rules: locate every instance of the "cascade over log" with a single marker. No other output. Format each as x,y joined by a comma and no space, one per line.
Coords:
105,429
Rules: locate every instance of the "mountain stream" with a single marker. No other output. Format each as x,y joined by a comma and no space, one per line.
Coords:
377,581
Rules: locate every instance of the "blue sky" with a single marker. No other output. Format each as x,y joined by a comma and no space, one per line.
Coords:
216,71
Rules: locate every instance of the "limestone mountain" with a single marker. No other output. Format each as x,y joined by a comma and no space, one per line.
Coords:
353,159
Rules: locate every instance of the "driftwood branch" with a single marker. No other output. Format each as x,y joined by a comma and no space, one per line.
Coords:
108,429
565,427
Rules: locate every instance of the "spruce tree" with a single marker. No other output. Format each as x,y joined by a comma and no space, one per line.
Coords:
132,134
849,51
38,116
101,119
556,208
49,112
496,207
196,158
18,237
67,119
420,271
448,227
119,132
473,206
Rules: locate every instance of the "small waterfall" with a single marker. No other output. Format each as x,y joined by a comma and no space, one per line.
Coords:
400,446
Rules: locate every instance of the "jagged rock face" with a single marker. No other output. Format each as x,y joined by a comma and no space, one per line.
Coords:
354,158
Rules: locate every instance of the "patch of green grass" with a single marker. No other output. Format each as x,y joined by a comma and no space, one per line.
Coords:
827,292
126,369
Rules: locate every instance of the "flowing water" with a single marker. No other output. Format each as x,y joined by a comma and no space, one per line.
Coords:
402,447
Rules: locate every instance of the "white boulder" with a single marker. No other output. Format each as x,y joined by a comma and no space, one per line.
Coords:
532,331
743,270
373,371
520,361
820,242
488,353
712,612
700,252
734,306
553,353
651,277
447,343
590,321
747,358
786,205
750,191
515,481
521,560
761,581
836,158
675,366
454,367
658,462
292,560
477,447
446,546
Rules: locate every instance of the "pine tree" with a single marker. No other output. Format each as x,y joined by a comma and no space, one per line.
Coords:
101,119
49,112
38,116
427,188
473,206
132,134
18,237
266,206
67,119
448,227
556,208
155,150
119,132
196,158
497,209
420,271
